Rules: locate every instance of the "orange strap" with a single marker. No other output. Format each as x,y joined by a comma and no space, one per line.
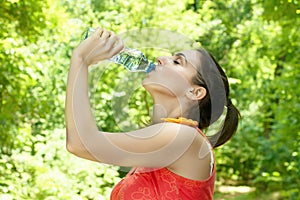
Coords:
181,120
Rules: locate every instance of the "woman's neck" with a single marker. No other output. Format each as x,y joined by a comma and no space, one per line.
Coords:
168,109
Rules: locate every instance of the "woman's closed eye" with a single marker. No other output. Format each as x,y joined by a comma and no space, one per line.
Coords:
176,62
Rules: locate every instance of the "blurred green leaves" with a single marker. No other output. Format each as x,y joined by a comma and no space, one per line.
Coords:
53,173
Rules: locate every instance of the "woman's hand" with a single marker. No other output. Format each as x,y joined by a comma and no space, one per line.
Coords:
101,45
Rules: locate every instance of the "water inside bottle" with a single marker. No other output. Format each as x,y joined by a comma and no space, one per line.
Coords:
133,60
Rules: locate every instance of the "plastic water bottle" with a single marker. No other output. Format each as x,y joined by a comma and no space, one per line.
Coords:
132,59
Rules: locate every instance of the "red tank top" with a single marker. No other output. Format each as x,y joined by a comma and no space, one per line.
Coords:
162,184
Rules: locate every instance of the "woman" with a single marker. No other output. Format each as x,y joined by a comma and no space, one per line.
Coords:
172,158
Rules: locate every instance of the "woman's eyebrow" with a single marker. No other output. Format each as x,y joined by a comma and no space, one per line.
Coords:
182,56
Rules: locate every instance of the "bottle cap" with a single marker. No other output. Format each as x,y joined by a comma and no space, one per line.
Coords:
150,68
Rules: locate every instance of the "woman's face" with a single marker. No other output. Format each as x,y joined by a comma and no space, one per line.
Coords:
173,74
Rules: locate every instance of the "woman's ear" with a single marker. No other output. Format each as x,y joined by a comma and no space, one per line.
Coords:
196,93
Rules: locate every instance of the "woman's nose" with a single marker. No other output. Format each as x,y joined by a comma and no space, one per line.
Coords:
162,60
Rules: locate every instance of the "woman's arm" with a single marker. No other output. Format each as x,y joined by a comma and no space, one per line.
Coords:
155,146
99,46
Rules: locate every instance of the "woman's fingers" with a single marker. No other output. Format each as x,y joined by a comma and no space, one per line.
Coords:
105,34
115,44
114,41
118,46
98,33
102,45
101,33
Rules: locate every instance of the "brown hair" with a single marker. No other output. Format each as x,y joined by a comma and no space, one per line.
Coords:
212,77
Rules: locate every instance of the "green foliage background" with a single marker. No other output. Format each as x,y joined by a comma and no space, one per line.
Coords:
257,43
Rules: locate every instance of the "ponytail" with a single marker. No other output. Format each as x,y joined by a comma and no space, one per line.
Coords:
229,126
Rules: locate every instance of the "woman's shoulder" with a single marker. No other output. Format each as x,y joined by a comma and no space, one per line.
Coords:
197,161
